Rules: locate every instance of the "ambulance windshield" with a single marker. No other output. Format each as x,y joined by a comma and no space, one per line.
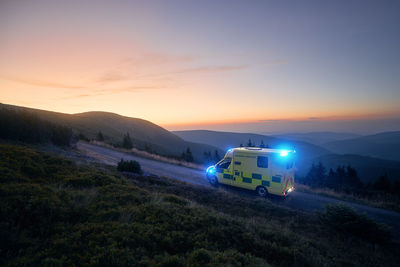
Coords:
224,164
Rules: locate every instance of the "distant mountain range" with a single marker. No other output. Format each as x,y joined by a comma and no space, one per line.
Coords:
113,126
318,138
226,140
370,168
383,145
371,155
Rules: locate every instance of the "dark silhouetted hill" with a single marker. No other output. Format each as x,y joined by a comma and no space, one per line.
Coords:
27,127
144,134
383,145
369,168
226,140
317,138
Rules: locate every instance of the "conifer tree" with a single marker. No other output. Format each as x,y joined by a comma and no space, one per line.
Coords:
127,142
99,136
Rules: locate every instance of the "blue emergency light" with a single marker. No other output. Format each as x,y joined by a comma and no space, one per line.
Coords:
211,170
284,153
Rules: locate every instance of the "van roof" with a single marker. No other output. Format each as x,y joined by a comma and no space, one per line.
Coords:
257,150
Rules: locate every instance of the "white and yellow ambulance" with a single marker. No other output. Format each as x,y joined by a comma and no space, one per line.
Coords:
266,170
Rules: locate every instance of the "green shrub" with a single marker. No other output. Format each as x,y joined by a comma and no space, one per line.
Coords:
129,166
345,219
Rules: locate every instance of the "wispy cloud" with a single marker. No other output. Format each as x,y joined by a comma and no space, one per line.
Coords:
314,118
210,69
277,120
42,83
273,62
112,76
110,91
201,69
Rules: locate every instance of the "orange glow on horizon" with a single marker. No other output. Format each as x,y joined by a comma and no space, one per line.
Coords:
141,61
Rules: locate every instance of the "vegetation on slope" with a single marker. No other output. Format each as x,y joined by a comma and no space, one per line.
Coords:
143,134
55,212
24,126
344,183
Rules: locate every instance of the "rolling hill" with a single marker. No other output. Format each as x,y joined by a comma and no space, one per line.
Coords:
305,152
383,145
144,134
226,140
317,138
369,168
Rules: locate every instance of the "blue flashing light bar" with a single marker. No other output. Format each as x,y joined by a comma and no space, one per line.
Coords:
284,153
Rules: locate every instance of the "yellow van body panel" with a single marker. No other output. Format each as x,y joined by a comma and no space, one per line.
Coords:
254,167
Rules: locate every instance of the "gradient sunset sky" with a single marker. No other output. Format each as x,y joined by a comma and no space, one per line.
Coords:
248,66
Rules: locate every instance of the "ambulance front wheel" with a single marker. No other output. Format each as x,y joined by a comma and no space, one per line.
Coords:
262,191
213,180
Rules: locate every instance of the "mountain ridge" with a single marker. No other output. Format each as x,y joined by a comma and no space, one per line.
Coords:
144,134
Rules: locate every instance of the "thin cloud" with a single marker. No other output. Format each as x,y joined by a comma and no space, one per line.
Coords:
73,97
133,89
42,83
274,62
213,69
262,121
314,118
111,91
111,77
203,69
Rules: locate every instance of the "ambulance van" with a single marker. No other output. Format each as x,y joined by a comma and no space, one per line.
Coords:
265,170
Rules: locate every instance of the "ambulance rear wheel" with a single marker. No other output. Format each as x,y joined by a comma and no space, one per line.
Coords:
262,191
213,180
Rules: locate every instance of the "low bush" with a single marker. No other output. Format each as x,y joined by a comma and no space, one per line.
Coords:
129,166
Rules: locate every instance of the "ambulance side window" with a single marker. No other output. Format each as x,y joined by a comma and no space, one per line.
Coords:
225,164
262,162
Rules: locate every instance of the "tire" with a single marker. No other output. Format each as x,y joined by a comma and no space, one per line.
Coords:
262,191
213,180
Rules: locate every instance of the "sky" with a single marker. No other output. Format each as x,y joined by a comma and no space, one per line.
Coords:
245,66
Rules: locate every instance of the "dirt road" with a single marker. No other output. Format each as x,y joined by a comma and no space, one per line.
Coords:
297,200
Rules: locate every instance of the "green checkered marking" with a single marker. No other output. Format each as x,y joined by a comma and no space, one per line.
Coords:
247,180
227,176
256,176
276,179
265,183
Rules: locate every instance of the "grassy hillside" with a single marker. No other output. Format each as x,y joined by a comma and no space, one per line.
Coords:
384,145
144,134
54,212
22,126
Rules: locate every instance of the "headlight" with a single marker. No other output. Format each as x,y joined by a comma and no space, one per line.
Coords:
210,170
